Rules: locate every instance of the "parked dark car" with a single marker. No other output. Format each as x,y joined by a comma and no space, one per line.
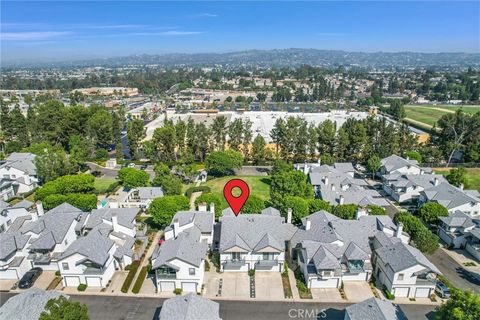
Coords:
29,278
442,290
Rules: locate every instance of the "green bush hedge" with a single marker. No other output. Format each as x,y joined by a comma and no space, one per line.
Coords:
82,287
388,294
131,274
141,277
189,191
177,291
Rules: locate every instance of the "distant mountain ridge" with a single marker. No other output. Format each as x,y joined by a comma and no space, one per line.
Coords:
288,57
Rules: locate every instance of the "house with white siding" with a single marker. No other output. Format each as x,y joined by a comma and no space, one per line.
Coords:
397,165
455,228
13,255
407,187
452,198
13,214
20,168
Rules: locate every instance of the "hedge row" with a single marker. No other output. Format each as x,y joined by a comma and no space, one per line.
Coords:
191,190
131,274
139,282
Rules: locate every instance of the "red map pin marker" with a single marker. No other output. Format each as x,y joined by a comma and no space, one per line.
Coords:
236,203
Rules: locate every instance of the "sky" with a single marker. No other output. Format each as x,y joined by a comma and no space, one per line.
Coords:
69,30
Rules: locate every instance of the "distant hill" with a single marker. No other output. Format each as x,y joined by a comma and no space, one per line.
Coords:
291,57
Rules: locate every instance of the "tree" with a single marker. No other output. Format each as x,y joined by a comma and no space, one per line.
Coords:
397,109
253,205
221,163
414,155
300,208
64,309
431,211
258,150
235,131
316,205
423,239
374,164
135,133
80,149
457,176
289,183
133,178
164,140
247,137
345,211
462,305
219,131
375,210
52,164
208,199
163,209
170,184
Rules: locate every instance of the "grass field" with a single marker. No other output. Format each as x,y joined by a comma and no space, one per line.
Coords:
430,114
259,186
473,177
101,184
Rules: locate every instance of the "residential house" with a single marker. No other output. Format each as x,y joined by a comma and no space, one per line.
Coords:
20,167
141,197
374,309
7,189
339,187
179,261
88,260
28,304
396,164
403,270
330,250
453,198
190,306
473,243
10,213
254,241
13,255
455,228
407,187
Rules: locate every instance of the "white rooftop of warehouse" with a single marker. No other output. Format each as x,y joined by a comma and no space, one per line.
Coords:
262,121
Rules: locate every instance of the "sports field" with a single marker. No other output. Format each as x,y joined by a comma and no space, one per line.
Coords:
473,177
428,115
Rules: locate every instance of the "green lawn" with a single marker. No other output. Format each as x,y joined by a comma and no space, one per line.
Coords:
473,177
101,184
425,114
259,186
466,109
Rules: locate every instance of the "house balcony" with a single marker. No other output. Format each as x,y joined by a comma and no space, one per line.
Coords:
92,271
425,282
266,264
234,264
166,276
40,258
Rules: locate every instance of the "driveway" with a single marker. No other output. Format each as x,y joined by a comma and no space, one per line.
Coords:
6,285
457,274
327,295
44,280
234,285
268,286
357,291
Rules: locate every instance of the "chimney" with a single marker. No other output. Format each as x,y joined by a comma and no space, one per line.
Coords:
308,224
40,210
461,186
202,206
399,230
341,200
176,228
289,215
325,180
408,158
333,187
436,181
319,161
212,208
305,168
114,221
34,216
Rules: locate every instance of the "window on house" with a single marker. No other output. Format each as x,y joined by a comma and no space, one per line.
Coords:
236,256
66,241
400,277
327,273
65,265
268,256
191,271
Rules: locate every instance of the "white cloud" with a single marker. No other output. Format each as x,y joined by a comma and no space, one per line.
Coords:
204,15
167,33
28,36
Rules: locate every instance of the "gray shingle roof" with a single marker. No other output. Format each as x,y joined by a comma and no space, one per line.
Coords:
93,246
449,196
401,256
150,193
375,309
65,208
202,219
11,242
23,204
458,219
189,307
125,216
28,304
395,162
354,252
22,161
344,166
252,228
324,259
186,247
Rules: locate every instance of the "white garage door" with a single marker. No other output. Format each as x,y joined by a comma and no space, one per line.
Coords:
189,287
422,293
94,282
72,281
167,286
401,292
8,274
324,283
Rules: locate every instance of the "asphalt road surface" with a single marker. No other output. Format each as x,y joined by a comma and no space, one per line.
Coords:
133,308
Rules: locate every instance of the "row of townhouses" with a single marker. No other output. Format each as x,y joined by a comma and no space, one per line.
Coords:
85,247
18,175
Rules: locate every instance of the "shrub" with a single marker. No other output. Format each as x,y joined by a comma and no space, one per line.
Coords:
251,272
316,205
388,294
207,266
131,274
57,273
84,202
209,198
376,210
221,163
302,286
163,209
431,211
189,191
285,269
345,211
216,260
253,205
423,238
139,282
177,291
82,287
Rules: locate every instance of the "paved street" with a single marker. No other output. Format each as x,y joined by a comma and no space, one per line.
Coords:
454,272
125,308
